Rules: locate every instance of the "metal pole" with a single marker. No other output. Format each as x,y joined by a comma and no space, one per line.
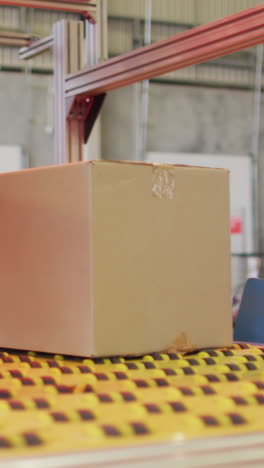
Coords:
148,12
91,43
144,105
255,144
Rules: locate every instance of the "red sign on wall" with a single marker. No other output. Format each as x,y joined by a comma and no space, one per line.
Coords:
236,225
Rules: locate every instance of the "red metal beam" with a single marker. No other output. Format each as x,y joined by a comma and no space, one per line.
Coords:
14,39
200,44
73,6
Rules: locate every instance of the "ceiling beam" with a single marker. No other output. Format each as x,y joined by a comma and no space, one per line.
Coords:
15,39
200,44
72,6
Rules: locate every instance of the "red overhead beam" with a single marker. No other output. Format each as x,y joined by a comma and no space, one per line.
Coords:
73,6
215,39
14,39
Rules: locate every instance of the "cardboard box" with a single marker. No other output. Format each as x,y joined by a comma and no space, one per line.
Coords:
102,258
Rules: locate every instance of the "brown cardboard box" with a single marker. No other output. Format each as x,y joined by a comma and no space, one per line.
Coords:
102,258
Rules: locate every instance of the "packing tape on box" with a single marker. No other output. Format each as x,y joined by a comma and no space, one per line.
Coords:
181,343
163,181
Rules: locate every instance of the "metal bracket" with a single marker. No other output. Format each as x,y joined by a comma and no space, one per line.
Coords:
79,109
94,111
81,114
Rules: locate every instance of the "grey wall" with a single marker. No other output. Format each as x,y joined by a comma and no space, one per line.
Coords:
119,124
181,119
199,120
184,119
25,115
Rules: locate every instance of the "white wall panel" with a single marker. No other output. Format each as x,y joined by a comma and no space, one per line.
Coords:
12,158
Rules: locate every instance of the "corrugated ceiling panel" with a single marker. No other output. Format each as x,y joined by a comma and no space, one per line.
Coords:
209,10
42,21
9,18
120,36
134,8
182,11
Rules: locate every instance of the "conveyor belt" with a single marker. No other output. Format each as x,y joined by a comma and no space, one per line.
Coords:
52,405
